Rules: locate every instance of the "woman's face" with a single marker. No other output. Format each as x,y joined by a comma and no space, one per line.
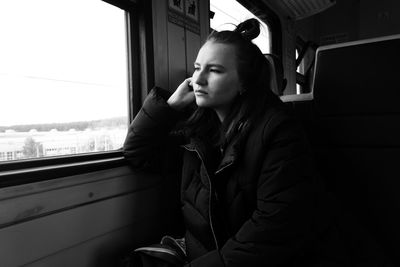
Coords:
215,78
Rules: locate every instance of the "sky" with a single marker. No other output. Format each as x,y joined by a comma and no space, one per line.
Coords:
61,61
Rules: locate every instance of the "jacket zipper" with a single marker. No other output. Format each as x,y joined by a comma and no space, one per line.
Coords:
223,168
209,200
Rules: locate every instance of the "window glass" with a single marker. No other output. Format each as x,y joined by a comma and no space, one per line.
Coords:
229,13
63,78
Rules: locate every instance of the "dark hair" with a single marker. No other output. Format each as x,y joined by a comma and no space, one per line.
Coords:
254,72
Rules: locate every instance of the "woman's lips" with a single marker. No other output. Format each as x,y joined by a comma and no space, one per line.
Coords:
200,92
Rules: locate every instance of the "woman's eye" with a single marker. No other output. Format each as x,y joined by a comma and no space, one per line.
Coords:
215,70
196,68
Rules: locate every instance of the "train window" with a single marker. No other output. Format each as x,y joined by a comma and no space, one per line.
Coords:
299,70
63,78
229,13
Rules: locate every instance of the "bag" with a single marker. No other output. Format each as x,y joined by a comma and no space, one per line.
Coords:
170,252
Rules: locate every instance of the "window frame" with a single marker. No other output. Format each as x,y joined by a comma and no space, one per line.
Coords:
138,27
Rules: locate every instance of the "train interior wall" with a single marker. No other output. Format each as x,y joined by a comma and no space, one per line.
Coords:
90,219
176,40
351,20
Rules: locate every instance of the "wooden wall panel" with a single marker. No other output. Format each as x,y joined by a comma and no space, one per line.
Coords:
24,202
192,48
176,56
82,214
175,47
103,251
38,238
160,32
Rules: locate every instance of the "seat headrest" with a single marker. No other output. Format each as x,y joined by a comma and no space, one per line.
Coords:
358,77
277,76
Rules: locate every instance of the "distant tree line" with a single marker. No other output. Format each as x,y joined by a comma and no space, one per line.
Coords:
79,125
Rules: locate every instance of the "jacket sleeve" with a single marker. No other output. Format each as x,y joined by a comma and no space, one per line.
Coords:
279,230
148,144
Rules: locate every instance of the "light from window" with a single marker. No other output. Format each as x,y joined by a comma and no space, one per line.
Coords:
298,86
229,13
63,78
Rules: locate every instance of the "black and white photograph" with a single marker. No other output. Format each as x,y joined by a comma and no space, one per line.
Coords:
199,133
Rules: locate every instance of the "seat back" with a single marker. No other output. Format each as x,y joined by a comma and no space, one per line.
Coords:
353,120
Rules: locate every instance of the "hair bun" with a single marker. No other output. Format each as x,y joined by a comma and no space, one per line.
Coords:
249,29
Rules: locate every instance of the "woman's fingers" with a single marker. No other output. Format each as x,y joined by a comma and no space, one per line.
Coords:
182,96
185,85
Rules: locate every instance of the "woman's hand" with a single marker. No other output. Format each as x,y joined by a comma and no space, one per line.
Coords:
183,95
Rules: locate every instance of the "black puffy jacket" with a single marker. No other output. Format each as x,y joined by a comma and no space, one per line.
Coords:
259,208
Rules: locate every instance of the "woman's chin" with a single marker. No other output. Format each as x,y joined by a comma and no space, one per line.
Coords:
201,103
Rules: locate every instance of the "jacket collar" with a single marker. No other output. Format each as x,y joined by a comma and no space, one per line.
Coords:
232,151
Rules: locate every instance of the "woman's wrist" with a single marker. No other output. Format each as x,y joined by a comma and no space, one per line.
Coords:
179,103
174,104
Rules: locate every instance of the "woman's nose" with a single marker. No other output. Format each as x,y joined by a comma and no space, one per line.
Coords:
199,77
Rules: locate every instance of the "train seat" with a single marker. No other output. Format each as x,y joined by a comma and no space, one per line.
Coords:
278,79
353,120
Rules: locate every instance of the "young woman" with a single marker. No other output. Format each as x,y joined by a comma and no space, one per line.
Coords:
248,188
